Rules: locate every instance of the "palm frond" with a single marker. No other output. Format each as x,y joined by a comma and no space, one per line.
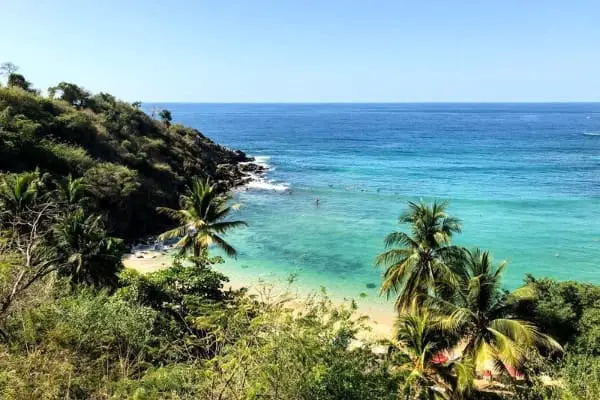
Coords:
521,332
506,349
523,293
173,233
184,244
460,376
221,211
396,274
457,319
525,333
400,238
393,256
222,227
176,215
223,245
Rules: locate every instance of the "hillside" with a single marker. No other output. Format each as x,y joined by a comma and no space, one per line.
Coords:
131,162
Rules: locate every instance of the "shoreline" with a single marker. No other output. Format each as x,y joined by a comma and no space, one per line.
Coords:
255,177
380,321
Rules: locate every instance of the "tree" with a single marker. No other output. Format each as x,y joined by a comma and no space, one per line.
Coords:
569,311
72,94
483,315
113,188
201,220
88,254
8,68
18,192
425,262
18,80
165,116
419,348
72,190
26,216
112,183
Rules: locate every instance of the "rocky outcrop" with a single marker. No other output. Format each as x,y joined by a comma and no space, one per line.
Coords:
238,173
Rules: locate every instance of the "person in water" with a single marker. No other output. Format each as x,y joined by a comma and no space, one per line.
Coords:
317,202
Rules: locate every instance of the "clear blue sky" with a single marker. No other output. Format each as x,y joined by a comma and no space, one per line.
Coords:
310,51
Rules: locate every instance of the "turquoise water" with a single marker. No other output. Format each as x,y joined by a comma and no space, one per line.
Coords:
524,178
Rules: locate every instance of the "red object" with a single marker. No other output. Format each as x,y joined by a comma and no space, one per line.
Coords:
513,372
487,373
440,358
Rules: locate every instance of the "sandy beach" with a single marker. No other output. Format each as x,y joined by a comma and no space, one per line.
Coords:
380,321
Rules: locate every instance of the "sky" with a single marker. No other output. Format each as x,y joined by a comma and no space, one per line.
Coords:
309,51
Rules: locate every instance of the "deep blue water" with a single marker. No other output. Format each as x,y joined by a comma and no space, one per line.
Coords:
524,178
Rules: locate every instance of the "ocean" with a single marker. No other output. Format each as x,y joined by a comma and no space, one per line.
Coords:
524,178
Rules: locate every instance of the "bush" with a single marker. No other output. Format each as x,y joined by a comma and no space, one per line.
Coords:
569,311
308,356
36,375
178,381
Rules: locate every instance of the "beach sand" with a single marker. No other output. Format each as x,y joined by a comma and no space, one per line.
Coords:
380,321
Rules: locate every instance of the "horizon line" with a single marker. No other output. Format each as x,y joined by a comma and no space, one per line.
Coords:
372,102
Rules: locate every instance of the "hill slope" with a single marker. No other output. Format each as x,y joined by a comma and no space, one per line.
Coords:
131,162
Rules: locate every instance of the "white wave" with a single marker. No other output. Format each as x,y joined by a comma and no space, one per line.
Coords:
591,133
259,183
263,161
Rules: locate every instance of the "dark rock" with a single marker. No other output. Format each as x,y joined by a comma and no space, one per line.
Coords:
253,168
240,156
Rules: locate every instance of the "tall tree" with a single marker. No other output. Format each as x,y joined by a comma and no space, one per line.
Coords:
26,217
424,262
72,190
18,80
483,315
72,94
7,68
19,191
419,345
88,254
166,117
201,220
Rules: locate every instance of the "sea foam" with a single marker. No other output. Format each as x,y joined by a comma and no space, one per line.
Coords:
263,161
260,182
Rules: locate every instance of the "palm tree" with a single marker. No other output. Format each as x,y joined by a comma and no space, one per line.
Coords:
421,342
89,255
201,220
483,315
424,262
17,192
72,191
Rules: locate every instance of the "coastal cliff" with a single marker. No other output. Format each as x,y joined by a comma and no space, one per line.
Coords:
129,161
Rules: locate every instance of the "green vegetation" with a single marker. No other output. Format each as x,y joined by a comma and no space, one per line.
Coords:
130,163
483,316
420,339
201,220
84,173
455,321
426,262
